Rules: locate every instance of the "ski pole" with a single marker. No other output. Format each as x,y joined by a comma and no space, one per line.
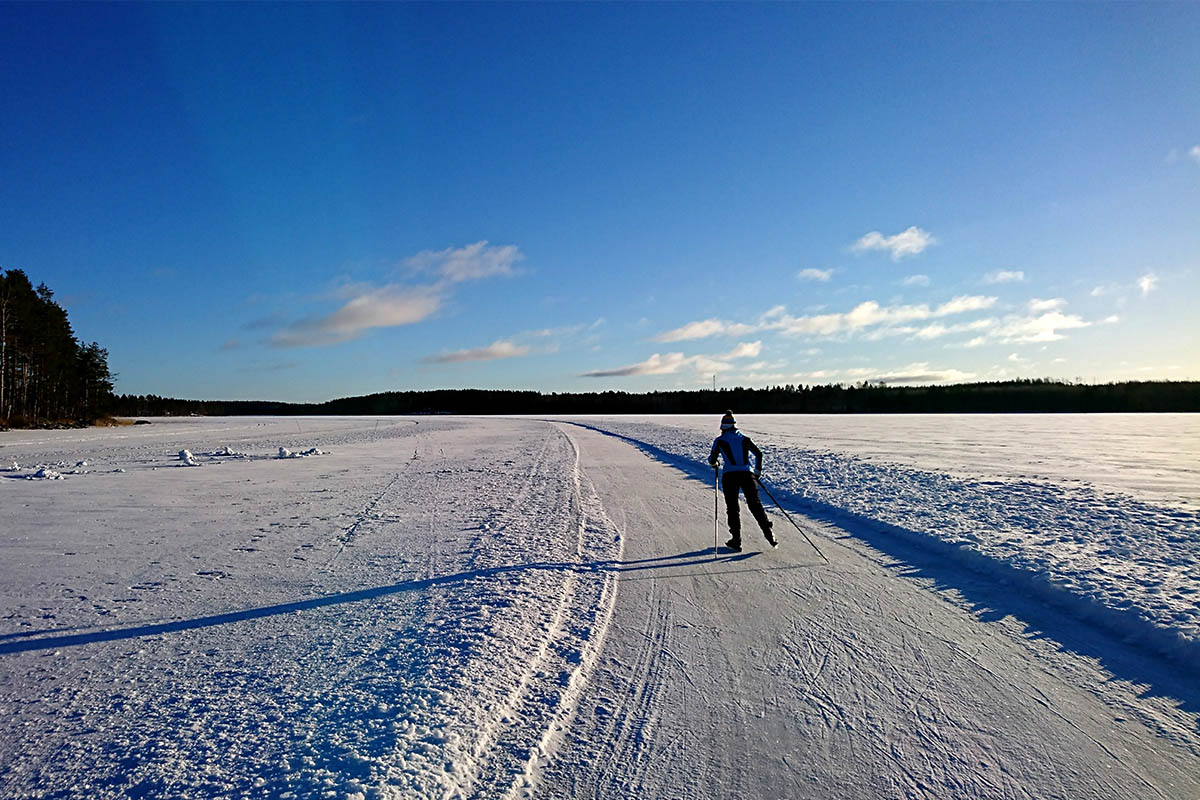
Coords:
789,519
715,492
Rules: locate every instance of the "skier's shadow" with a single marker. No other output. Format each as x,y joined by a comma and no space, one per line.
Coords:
36,641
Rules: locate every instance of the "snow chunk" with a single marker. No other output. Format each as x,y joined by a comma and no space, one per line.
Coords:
188,459
45,474
312,451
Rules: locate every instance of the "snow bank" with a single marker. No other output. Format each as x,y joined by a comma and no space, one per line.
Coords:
1127,565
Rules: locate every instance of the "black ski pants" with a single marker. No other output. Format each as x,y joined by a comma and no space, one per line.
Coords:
731,484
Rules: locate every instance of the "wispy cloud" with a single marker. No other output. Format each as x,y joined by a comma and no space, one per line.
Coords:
385,307
937,330
821,275
540,341
1194,153
1043,327
915,280
704,329
910,242
1004,276
868,314
501,348
1147,283
920,372
1039,306
670,363
657,364
397,303
743,350
470,263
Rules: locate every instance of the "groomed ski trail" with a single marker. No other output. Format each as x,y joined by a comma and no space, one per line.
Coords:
773,675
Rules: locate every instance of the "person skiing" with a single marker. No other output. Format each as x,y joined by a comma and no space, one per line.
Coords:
736,448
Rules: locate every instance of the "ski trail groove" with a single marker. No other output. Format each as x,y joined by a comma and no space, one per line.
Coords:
526,728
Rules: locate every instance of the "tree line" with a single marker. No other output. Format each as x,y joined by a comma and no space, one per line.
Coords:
1020,396
46,375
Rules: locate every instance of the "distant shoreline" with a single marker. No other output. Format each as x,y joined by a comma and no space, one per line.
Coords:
1010,397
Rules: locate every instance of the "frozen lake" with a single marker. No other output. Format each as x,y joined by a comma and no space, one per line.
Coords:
1156,456
447,607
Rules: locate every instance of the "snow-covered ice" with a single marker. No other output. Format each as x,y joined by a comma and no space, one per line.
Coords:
483,607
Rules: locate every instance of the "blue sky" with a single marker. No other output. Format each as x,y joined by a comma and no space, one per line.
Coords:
302,202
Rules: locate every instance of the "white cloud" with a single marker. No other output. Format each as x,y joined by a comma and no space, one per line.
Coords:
367,306
1147,283
909,242
1111,319
1042,328
704,329
469,263
743,350
919,372
670,363
868,314
500,348
937,330
1195,153
384,307
1037,306
1005,276
822,275
964,303
659,364
915,280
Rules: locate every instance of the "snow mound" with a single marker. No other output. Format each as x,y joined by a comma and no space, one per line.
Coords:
188,459
45,474
228,452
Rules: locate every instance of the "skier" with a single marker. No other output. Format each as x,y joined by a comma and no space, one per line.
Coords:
736,449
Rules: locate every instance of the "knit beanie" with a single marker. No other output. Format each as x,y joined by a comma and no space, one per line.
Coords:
728,423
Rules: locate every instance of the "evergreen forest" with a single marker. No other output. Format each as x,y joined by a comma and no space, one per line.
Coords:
47,376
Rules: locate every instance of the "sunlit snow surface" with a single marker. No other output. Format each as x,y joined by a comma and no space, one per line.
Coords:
329,607
1095,512
408,610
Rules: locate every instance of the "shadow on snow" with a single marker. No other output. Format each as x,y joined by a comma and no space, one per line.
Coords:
695,558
